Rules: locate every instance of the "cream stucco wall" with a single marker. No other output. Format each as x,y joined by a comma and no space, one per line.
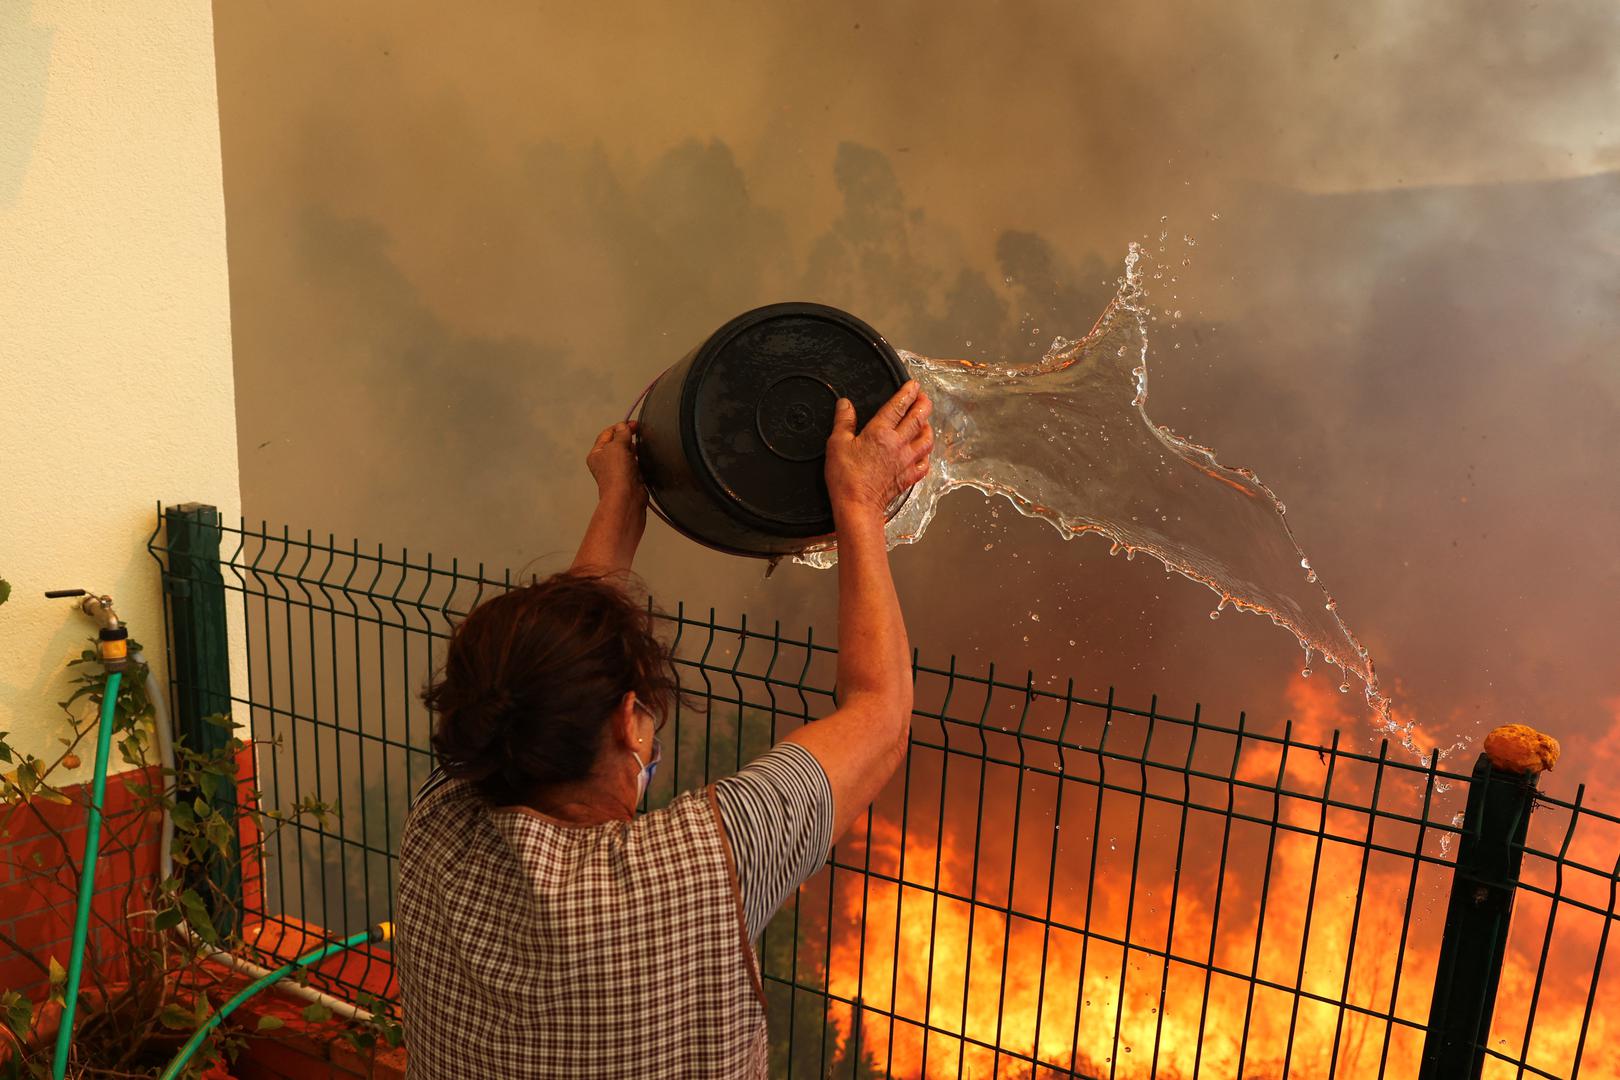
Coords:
115,361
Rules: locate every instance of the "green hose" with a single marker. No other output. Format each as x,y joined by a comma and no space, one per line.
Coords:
381,932
87,886
87,875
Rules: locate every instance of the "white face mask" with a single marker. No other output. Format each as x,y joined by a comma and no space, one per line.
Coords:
644,777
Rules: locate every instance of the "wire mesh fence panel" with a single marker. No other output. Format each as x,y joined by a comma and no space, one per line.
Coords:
1050,886
1558,1013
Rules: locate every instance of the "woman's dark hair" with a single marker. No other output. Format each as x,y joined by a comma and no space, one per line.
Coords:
531,676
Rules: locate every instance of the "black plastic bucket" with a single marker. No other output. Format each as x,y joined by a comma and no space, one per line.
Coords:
733,437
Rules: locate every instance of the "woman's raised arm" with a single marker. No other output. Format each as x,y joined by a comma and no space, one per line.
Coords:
861,744
620,516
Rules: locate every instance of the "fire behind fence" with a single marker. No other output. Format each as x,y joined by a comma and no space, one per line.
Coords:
1052,886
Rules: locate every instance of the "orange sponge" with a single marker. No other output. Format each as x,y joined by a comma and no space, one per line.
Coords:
1519,749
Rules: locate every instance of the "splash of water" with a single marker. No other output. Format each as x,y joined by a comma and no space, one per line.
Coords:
1068,441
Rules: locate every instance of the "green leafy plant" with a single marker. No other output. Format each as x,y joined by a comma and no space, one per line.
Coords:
382,1029
131,1021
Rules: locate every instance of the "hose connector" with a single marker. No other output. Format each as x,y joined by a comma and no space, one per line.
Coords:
112,644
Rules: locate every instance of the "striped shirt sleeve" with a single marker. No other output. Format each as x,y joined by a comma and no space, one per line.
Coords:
778,815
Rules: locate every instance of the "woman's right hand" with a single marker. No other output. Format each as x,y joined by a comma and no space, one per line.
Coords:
869,471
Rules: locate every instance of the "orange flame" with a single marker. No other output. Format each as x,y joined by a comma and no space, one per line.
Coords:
986,987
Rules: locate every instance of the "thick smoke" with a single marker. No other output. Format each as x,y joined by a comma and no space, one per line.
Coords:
460,246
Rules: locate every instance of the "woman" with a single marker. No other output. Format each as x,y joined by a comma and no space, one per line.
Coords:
543,927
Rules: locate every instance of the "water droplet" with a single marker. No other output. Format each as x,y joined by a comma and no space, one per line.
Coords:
1214,217
1215,614
1033,617
1281,509
1026,637
1306,563
1331,605
1071,641
1007,280
1344,688
1130,553
969,344
987,547
1177,314
1311,576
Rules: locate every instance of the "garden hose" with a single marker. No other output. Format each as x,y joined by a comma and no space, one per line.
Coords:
87,875
113,652
378,933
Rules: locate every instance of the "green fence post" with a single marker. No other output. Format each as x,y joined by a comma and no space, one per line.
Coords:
1489,853
200,666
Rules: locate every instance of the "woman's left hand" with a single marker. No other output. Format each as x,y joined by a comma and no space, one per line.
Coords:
612,462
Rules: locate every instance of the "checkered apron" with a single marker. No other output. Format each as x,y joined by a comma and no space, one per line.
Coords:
526,948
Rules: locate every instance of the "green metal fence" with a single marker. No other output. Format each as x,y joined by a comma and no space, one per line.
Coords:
1053,886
